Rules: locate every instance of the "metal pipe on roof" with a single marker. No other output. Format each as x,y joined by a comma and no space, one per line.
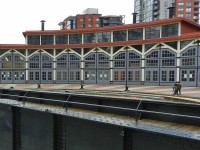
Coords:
134,17
42,24
171,11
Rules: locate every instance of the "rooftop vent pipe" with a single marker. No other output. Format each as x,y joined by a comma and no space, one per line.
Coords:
71,24
171,11
134,17
42,24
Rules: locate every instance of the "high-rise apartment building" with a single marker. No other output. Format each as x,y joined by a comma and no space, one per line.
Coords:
188,9
149,10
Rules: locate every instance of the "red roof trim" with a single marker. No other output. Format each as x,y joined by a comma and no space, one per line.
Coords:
112,28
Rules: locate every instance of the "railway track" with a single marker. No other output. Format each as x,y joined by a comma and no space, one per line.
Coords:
134,96
123,94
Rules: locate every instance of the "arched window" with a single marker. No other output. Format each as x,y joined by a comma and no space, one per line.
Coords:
152,59
6,61
168,58
188,57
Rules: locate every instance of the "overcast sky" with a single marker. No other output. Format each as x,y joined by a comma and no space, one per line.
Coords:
18,16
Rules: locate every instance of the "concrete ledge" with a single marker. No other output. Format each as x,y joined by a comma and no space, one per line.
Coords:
182,99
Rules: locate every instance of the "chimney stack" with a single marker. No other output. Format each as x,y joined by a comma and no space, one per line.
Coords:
71,24
134,17
171,11
42,24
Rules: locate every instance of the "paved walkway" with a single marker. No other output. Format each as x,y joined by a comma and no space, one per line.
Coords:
166,90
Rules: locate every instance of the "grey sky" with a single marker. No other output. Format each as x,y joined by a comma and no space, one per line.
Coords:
18,16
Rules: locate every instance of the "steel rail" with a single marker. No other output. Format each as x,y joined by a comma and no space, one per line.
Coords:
137,110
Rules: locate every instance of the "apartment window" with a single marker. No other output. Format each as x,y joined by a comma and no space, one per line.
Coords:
188,9
82,26
89,25
82,19
97,25
180,15
188,4
97,19
180,10
180,4
188,15
89,20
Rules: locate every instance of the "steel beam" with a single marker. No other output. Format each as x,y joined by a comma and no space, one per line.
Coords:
16,128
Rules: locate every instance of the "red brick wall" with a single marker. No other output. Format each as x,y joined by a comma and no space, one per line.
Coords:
184,8
86,22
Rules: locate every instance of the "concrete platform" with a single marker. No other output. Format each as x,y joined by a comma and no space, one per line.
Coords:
188,92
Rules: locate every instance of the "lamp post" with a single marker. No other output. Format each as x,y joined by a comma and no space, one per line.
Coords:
159,62
68,76
126,65
12,66
96,65
40,52
197,68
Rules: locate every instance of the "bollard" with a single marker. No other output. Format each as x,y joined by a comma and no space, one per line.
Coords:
38,86
126,88
82,86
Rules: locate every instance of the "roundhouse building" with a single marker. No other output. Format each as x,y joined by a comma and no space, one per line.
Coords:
152,53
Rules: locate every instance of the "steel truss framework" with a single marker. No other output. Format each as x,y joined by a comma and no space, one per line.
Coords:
49,120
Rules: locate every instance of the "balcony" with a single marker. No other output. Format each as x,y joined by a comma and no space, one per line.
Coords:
156,13
155,8
196,12
156,2
196,17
